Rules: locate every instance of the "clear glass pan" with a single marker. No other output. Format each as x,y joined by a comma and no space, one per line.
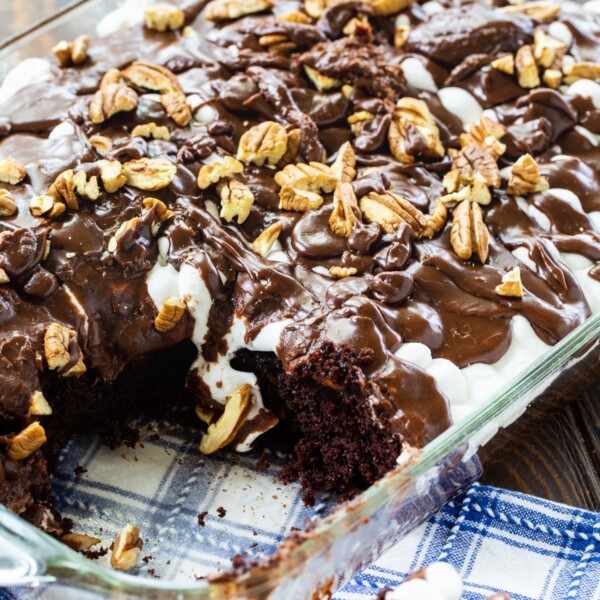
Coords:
312,563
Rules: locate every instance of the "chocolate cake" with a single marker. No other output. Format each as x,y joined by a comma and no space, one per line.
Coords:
338,224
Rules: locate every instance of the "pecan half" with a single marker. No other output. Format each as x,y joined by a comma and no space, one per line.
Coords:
60,343
469,234
413,132
511,285
149,174
266,142
527,70
127,549
152,130
344,166
111,98
8,206
223,10
164,17
346,214
291,198
11,171
313,177
224,430
26,442
525,177
342,272
236,200
170,313
390,210
225,167
148,76
72,53
264,242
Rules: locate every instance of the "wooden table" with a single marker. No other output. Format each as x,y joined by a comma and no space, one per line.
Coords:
559,461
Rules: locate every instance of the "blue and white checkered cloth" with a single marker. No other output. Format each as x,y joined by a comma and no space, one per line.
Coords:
497,540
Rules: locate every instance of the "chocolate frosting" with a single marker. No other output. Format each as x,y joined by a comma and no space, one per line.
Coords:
403,290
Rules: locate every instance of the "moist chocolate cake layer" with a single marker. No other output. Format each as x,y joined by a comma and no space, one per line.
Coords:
312,185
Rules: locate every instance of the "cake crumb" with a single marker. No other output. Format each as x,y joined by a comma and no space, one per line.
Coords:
221,512
201,518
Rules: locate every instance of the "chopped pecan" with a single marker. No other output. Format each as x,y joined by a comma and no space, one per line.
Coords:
4,278
225,167
161,212
320,81
538,11
412,118
314,8
345,214
170,313
39,405
505,63
26,442
79,542
164,17
471,160
358,26
111,98
511,285
384,8
224,430
276,42
101,144
547,50
469,234
291,198
236,200
127,549
111,174
63,189
390,210
527,70
46,206
581,70
342,272
436,219
401,33
486,134
8,206
264,242
149,174
152,130
223,10
206,415
525,177
552,78
356,120
293,16
344,166
266,142
88,188
123,230
313,177
11,171
476,191
148,76
72,53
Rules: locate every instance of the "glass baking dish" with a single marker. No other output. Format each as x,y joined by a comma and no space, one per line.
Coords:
331,549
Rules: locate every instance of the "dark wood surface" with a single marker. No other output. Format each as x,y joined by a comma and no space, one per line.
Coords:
560,460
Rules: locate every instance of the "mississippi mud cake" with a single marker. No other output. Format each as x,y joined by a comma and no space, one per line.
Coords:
344,224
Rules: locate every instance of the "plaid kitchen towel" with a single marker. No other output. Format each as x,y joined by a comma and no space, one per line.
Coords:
195,513
499,541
